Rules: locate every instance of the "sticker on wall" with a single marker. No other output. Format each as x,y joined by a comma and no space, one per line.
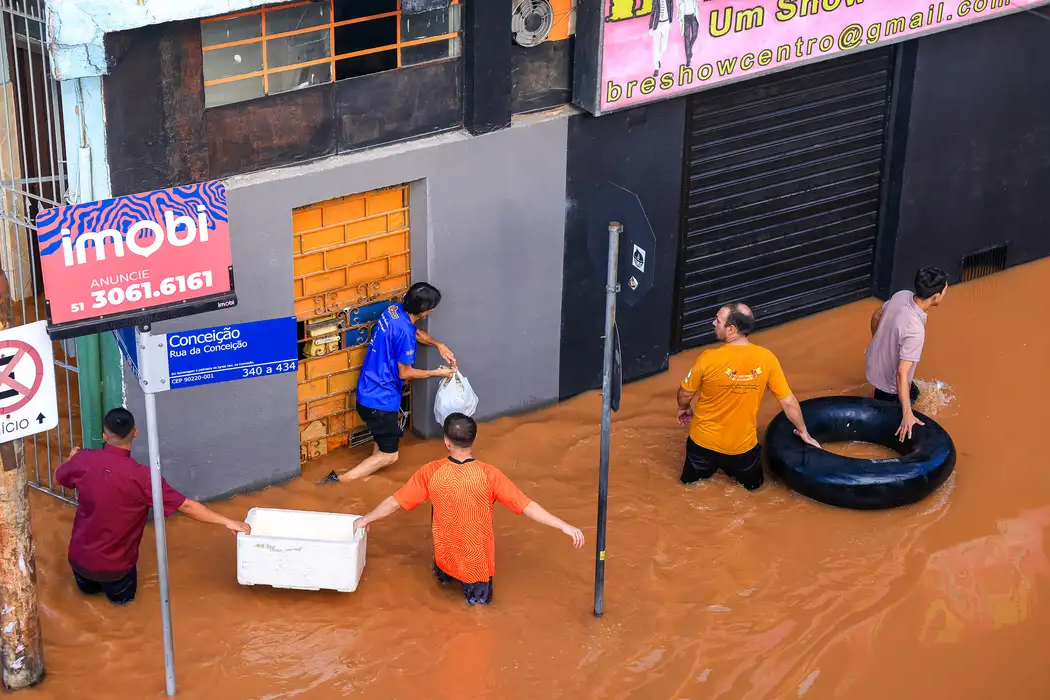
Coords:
639,259
632,283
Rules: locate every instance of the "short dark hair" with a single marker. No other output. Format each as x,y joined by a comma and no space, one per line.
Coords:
461,430
741,318
119,422
421,297
930,281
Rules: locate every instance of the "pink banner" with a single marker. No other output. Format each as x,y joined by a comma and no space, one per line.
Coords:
654,49
129,254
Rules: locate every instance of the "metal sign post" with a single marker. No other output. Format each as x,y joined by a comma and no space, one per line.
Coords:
180,360
162,545
611,290
148,345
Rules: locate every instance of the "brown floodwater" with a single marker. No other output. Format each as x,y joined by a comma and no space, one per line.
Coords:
712,592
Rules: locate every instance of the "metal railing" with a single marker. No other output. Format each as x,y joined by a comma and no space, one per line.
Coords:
33,177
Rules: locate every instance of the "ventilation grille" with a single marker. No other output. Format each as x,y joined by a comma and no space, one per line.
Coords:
531,22
984,263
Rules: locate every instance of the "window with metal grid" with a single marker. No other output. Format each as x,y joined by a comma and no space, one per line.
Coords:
278,48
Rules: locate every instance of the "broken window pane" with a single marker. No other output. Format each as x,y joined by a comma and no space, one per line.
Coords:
431,51
297,78
233,60
300,17
227,30
298,48
428,24
236,91
370,43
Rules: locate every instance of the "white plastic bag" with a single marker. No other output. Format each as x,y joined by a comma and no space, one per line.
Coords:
454,395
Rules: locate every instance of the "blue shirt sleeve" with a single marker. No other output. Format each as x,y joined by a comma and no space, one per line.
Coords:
405,345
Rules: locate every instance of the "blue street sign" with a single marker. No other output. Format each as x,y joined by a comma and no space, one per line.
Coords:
227,353
126,342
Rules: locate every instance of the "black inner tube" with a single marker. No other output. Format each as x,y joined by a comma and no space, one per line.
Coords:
925,461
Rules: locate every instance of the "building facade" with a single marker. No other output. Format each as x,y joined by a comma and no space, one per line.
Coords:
369,144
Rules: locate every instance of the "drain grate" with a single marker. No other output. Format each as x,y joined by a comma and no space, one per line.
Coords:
983,263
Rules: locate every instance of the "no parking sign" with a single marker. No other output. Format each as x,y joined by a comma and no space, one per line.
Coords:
28,398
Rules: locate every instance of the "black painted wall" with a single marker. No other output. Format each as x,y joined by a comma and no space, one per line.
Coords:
154,99
541,76
160,135
397,105
339,117
486,66
624,166
977,165
274,130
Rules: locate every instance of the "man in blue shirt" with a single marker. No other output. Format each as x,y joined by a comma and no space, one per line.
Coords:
388,365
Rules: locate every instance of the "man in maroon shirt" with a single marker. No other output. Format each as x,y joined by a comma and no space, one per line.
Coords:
114,497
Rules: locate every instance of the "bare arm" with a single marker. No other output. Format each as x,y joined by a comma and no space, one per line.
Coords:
684,398
794,413
446,354
536,512
384,509
204,514
426,339
685,407
904,385
876,318
408,372
908,419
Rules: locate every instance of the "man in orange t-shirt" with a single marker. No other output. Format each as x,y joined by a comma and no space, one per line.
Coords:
728,382
463,493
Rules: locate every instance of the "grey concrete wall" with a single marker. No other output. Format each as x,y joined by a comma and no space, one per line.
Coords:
487,228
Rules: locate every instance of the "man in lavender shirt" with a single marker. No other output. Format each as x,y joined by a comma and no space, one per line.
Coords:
898,331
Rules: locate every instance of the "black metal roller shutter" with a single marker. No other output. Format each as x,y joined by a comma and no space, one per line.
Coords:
782,192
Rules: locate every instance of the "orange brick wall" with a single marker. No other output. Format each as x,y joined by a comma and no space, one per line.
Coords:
348,252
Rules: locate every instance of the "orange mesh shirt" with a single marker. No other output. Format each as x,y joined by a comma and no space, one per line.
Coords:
463,495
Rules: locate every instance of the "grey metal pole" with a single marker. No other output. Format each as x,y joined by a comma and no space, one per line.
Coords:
162,546
612,288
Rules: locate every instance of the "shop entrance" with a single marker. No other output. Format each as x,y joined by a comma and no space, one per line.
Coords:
782,193
351,257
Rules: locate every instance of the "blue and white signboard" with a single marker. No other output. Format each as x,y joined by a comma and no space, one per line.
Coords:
219,354
227,353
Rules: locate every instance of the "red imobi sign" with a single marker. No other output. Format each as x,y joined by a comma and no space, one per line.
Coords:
136,259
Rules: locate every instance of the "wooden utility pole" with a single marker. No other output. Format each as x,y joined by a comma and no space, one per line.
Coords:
21,644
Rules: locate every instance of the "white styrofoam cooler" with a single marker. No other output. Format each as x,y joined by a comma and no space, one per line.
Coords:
301,549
